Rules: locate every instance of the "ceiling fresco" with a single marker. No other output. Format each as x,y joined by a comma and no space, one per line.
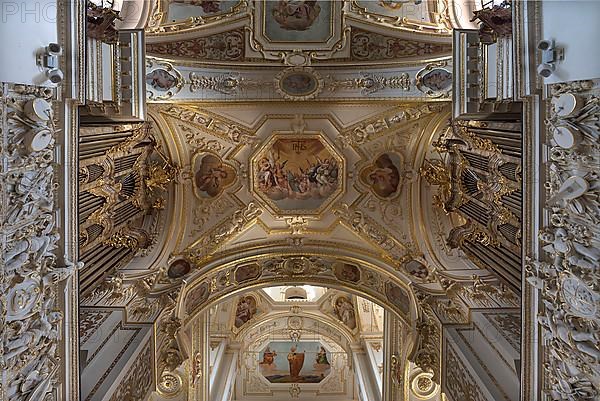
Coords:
301,132
297,175
325,31
285,20
270,192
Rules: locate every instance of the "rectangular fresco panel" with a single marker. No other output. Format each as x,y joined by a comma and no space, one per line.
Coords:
396,8
294,362
181,10
298,20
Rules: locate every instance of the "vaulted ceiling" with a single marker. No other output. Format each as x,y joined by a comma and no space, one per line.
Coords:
300,133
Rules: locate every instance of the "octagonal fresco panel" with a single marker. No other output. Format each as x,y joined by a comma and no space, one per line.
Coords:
297,174
294,362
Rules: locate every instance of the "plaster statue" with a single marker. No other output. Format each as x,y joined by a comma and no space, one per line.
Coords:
561,244
38,247
58,274
557,324
568,385
38,382
196,368
42,329
34,194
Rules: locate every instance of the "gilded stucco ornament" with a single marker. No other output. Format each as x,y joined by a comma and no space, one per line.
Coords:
371,129
370,231
369,83
295,391
298,83
227,84
397,370
426,354
206,121
422,386
170,384
224,232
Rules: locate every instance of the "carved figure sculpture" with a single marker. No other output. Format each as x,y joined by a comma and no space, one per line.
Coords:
557,325
565,249
37,247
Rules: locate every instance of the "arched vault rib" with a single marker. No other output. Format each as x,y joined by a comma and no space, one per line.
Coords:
337,326
356,276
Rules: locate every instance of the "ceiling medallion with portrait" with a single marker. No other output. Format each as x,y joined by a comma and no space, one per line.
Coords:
297,174
298,83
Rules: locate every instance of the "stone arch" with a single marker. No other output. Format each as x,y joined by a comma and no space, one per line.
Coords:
224,280
356,276
338,326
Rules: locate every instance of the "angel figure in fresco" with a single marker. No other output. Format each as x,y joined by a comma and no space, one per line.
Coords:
207,6
268,357
296,15
345,312
437,80
266,176
385,177
246,308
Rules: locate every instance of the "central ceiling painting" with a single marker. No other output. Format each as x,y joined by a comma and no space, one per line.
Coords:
297,174
284,23
287,21
180,10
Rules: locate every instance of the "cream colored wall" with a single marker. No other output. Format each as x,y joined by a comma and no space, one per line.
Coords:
573,24
25,28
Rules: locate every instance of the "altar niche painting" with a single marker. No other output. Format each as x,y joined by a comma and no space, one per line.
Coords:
294,362
298,20
181,10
